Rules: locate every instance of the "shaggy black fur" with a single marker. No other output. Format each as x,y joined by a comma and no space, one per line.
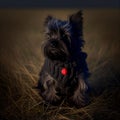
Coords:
63,49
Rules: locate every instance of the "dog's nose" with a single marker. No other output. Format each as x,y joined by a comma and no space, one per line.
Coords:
54,43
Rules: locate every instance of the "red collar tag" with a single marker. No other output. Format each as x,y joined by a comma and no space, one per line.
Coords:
64,71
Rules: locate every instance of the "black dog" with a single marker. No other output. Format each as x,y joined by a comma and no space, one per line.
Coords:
64,73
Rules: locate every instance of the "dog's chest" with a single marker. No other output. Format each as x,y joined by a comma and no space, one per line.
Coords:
60,71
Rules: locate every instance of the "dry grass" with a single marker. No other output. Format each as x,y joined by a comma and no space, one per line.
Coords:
21,60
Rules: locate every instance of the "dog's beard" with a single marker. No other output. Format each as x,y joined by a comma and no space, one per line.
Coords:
56,50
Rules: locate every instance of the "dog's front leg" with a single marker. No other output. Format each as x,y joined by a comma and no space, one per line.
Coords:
80,97
49,93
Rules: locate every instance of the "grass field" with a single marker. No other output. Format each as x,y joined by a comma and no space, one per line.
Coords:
21,35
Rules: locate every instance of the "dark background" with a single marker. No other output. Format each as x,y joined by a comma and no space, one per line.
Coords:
21,35
59,4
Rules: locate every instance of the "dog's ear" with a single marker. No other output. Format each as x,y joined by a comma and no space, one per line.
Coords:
76,20
47,20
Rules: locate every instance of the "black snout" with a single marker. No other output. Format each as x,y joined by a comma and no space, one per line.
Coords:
54,43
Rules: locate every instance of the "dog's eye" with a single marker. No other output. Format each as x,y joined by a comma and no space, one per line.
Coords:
48,34
62,34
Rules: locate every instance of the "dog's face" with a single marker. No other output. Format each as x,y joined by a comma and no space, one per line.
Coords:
60,36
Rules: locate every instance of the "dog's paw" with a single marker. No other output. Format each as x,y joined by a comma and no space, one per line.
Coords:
78,101
52,99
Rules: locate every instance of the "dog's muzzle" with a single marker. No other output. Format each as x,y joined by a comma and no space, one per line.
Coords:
56,50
